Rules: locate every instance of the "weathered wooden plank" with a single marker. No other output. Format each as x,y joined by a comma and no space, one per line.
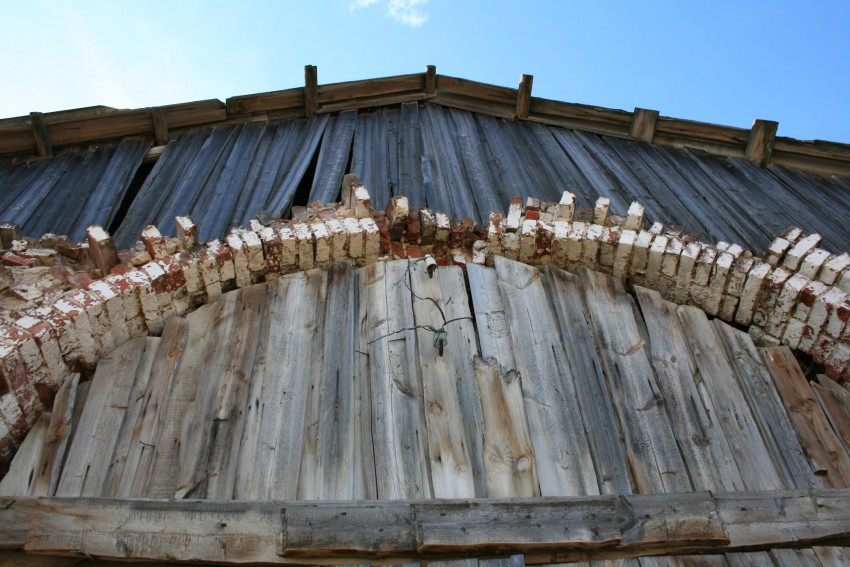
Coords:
39,132
376,102
294,344
21,479
288,98
494,334
523,97
84,470
333,157
761,395
474,89
376,88
508,454
410,178
124,435
451,398
385,320
564,464
832,556
838,417
339,463
481,184
651,449
177,428
477,105
597,411
761,141
151,420
702,443
311,90
59,434
820,444
730,407
15,514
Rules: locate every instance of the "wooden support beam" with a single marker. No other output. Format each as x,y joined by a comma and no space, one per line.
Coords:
430,79
311,90
160,125
523,96
762,139
643,124
544,530
39,131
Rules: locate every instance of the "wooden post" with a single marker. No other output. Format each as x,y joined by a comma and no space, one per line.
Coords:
39,131
643,124
311,90
160,126
430,79
762,138
523,96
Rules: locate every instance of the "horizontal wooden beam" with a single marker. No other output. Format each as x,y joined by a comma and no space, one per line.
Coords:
543,529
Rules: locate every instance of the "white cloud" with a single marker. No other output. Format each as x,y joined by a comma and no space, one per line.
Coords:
407,12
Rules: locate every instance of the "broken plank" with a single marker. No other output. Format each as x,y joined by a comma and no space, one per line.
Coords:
22,476
84,470
820,445
563,461
651,448
145,434
59,434
598,415
15,514
493,333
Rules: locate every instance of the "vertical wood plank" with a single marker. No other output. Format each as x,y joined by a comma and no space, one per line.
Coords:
311,90
820,444
494,335
145,435
398,420
21,479
523,96
430,79
160,126
760,393
84,469
454,444
564,465
600,420
177,428
835,413
702,442
643,124
59,435
731,409
761,141
39,132
651,449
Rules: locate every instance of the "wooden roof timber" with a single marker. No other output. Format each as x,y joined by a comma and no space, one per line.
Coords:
40,133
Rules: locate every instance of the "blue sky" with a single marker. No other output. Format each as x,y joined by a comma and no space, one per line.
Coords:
718,61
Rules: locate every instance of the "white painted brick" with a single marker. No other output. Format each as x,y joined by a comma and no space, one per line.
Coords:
728,306
575,242
289,247
187,232
355,237
752,289
785,304
608,248
838,361
653,263
98,320
256,260
776,250
148,300
566,207
239,252
444,227
812,263
338,239
656,228
794,256
590,246
670,260
154,242
634,218
823,307
717,283
600,210
792,234
810,293
704,266
114,304
82,332
191,267
514,218
837,320
640,254
844,281
793,332
46,337
735,250
372,238
623,255
687,261
528,240
738,275
833,268
510,245
304,244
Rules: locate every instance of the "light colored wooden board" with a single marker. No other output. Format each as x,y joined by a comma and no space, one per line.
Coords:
835,412
832,556
651,449
701,440
454,434
563,461
22,477
735,416
750,559
151,420
398,419
494,335
58,437
600,420
824,451
759,391
124,438
176,428
95,436
508,453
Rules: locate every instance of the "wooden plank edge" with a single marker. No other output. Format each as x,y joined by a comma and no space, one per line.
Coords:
373,102
325,532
